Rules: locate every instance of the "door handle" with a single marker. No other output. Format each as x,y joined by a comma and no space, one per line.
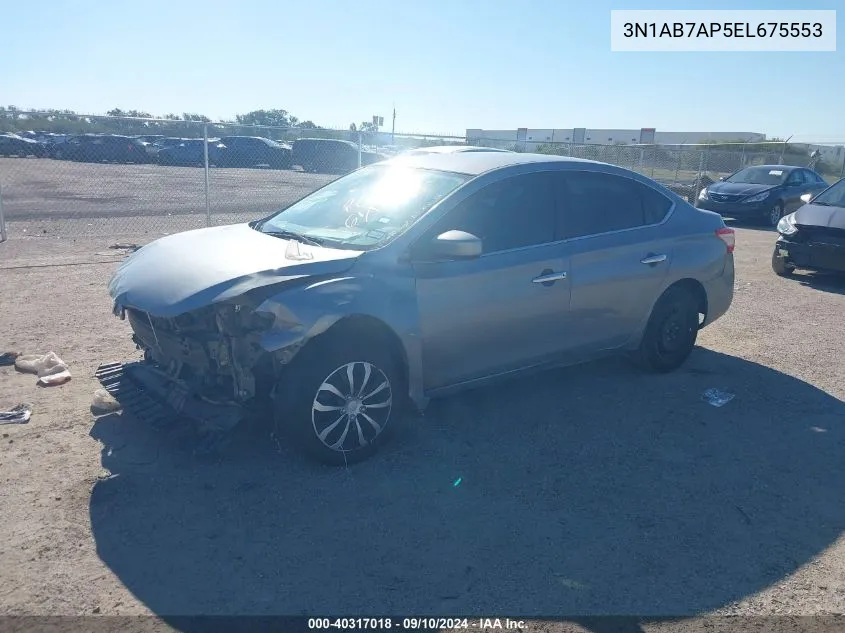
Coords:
549,278
653,259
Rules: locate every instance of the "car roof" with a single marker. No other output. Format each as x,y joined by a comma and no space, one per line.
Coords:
780,167
450,149
475,163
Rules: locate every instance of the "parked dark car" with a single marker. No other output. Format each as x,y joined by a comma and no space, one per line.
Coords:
324,155
253,151
370,157
415,278
813,237
189,153
13,145
96,148
763,192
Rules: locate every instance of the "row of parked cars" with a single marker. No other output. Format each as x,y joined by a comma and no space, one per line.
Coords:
807,213
311,154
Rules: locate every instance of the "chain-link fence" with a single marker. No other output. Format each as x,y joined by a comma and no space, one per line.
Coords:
144,178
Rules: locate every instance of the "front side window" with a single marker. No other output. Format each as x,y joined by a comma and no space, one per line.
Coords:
795,178
512,213
366,208
759,176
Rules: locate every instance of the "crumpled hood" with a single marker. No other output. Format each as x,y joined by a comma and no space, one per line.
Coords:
190,270
820,215
738,188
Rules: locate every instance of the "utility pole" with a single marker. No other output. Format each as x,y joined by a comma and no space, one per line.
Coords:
393,129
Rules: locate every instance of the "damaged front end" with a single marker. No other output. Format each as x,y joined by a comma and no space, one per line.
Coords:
214,352
206,365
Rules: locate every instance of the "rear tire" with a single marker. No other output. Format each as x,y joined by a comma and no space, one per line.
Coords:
780,265
671,332
333,421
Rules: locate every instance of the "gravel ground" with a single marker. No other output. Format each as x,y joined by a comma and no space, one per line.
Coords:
591,491
69,199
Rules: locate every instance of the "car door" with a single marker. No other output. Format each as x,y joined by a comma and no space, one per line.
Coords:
794,187
620,253
506,309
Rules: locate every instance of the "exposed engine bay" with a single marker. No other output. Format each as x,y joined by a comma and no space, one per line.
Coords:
214,351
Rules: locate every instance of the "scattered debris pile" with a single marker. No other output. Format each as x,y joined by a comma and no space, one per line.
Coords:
51,369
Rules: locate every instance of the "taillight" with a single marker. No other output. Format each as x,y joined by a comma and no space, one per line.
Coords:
728,236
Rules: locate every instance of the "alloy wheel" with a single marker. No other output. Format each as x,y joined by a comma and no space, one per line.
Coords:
352,407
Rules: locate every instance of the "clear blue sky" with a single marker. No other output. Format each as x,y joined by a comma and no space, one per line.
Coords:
447,64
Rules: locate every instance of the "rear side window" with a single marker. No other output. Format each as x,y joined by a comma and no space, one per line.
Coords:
591,203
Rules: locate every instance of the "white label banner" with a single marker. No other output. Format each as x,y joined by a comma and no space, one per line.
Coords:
722,31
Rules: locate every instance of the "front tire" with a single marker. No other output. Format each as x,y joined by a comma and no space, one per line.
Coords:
780,265
775,215
671,332
339,400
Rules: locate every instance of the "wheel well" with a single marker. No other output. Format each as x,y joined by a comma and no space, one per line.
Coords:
375,331
697,290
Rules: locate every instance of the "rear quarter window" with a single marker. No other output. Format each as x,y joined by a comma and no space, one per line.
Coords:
656,206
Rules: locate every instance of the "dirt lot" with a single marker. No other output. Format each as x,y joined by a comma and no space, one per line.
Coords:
592,490
53,197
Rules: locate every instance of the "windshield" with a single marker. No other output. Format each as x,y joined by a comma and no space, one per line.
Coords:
833,196
367,208
759,176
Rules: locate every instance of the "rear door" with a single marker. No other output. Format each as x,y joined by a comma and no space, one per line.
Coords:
815,183
620,254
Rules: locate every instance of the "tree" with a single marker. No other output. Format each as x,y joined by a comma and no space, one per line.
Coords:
266,118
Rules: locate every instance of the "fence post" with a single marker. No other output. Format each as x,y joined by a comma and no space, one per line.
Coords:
841,176
2,220
700,170
678,168
205,163
653,160
360,140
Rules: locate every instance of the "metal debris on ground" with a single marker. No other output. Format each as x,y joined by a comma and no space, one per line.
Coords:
51,369
8,358
19,414
124,247
104,403
717,397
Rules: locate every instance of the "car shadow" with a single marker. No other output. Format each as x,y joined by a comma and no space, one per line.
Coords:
823,281
588,491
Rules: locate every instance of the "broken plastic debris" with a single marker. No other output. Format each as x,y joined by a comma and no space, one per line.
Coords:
8,358
717,397
50,368
571,584
16,415
58,378
104,402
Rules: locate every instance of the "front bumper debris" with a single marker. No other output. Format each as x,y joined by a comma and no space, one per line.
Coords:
149,394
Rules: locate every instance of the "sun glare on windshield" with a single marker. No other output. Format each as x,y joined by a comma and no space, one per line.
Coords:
397,187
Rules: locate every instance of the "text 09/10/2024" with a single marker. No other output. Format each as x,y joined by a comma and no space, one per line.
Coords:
723,31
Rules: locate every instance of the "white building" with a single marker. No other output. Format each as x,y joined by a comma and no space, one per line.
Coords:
531,138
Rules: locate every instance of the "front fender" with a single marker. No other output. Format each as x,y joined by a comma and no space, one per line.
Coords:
303,312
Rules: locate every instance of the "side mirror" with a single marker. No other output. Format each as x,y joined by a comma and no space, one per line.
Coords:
806,198
721,178
456,245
